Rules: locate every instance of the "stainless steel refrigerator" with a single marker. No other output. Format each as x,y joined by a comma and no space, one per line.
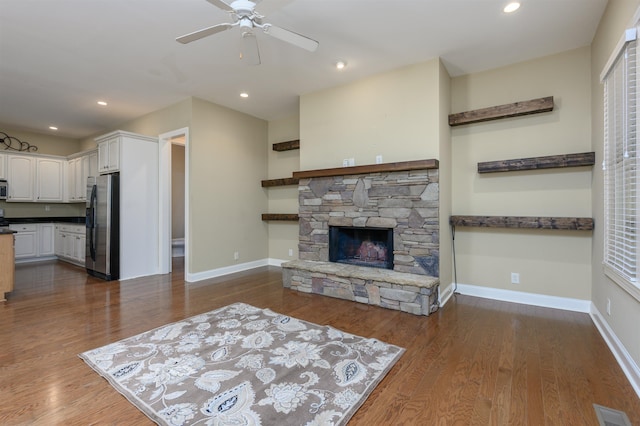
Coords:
102,258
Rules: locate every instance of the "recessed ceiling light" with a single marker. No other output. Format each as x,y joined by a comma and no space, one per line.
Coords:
102,103
511,7
341,65
53,128
244,95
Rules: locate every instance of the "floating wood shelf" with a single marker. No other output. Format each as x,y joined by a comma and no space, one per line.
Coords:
280,216
533,163
533,106
372,168
286,146
279,182
524,222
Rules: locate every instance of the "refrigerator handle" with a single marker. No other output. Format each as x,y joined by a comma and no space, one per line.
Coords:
92,223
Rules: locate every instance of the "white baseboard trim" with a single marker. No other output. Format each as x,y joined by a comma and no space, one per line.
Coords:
628,365
226,270
566,303
444,294
276,262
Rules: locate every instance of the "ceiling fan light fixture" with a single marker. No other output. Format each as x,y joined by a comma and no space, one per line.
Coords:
511,7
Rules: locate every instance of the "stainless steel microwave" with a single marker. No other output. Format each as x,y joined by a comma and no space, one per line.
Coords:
4,189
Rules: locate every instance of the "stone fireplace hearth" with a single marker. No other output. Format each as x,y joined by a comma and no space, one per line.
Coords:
402,197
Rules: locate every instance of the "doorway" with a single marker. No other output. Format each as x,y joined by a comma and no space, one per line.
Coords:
174,202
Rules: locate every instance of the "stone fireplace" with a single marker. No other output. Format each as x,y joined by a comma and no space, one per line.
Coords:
370,210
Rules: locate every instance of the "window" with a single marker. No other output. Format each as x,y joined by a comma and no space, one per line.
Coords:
621,167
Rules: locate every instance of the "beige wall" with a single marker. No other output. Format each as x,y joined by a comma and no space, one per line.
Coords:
47,144
394,114
177,190
445,175
549,262
625,310
401,115
227,152
283,199
228,159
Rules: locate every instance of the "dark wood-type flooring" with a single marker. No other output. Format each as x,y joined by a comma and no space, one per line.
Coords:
475,362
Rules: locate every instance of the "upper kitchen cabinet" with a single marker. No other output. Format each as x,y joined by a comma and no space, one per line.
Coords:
108,153
49,180
3,166
21,172
35,178
80,168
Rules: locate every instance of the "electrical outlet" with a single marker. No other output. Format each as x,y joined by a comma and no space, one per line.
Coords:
47,208
236,255
345,162
352,162
515,278
290,252
608,306
378,159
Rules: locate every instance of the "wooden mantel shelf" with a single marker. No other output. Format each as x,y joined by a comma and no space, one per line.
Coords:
534,163
371,168
524,222
516,109
280,216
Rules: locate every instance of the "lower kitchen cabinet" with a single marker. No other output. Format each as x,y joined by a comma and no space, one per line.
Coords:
43,241
70,243
26,242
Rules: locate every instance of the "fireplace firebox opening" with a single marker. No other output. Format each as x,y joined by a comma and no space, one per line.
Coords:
361,246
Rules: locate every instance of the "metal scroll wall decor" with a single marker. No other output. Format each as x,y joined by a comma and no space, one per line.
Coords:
12,143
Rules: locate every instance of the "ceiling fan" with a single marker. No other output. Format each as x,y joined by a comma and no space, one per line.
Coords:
245,17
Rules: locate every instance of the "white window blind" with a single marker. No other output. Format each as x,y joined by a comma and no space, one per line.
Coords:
621,169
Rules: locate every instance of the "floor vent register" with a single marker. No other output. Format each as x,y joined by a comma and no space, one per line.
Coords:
610,417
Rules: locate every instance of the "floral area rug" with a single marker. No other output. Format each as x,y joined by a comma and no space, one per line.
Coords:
241,365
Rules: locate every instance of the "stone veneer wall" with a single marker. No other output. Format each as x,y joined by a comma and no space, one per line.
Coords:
406,201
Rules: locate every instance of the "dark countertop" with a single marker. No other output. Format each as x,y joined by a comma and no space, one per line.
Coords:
5,231
57,219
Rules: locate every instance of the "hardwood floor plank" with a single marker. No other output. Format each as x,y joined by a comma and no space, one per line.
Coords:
474,362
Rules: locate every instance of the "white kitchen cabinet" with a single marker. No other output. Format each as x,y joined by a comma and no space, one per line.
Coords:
72,178
26,241
49,180
46,239
109,155
59,242
3,166
34,240
79,243
70,243
21,173
79,169
93,164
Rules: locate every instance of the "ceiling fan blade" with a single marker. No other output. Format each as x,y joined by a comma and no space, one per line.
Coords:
291,37
197,35
249,51
222,5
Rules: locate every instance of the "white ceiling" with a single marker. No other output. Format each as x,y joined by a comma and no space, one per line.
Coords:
58,58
